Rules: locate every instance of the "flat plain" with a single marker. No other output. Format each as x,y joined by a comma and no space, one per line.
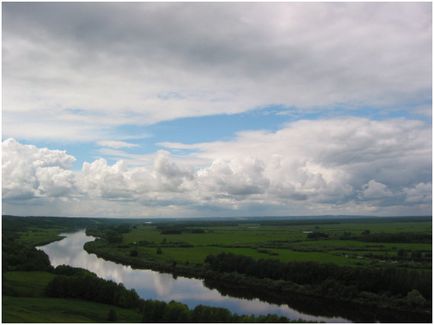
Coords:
350,242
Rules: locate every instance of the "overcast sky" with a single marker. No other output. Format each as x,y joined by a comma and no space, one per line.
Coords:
224,109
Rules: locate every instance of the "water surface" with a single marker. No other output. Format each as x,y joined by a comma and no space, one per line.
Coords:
162,286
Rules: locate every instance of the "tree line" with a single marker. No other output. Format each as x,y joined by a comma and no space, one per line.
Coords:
174,312
378,280
382,237
76,283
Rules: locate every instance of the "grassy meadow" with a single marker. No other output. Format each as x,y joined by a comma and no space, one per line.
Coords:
285,241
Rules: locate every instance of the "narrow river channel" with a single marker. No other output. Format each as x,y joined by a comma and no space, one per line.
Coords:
162,286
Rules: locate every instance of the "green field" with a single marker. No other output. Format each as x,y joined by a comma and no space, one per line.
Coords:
286,242
24,300
39,236
26,284
56,310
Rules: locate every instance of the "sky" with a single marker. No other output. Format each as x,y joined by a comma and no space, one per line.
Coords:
216,109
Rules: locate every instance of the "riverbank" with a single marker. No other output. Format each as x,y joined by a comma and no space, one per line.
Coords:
27,274
366,307
163,286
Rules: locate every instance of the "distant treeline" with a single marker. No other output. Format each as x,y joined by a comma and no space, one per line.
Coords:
378,280
286,221
78,283
20,224
399,237
178,229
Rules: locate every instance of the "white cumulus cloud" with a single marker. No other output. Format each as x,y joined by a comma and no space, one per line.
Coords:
350,165
29,171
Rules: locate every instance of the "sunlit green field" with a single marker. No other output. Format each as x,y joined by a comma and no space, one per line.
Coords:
286,242
39,236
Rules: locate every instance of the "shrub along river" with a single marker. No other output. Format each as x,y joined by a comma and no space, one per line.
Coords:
192,292
162,286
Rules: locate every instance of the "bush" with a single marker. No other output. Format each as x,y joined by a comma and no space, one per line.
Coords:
317,235
414,298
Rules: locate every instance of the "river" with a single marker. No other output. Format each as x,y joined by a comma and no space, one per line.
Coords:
163,286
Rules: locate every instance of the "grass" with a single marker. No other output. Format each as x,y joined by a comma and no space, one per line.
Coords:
55,310
286,242
197,255
26,284
40,236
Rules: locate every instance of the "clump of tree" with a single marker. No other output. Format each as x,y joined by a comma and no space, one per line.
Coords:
415,299
155,311
317,235
90,287
197,231
171,231
70,271
20,257
176,229
109,232
113,237
382,237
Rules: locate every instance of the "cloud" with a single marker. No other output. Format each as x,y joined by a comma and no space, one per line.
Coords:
420,193
351,165
233,178
79,70
116,144
98,179
375,191
30,172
